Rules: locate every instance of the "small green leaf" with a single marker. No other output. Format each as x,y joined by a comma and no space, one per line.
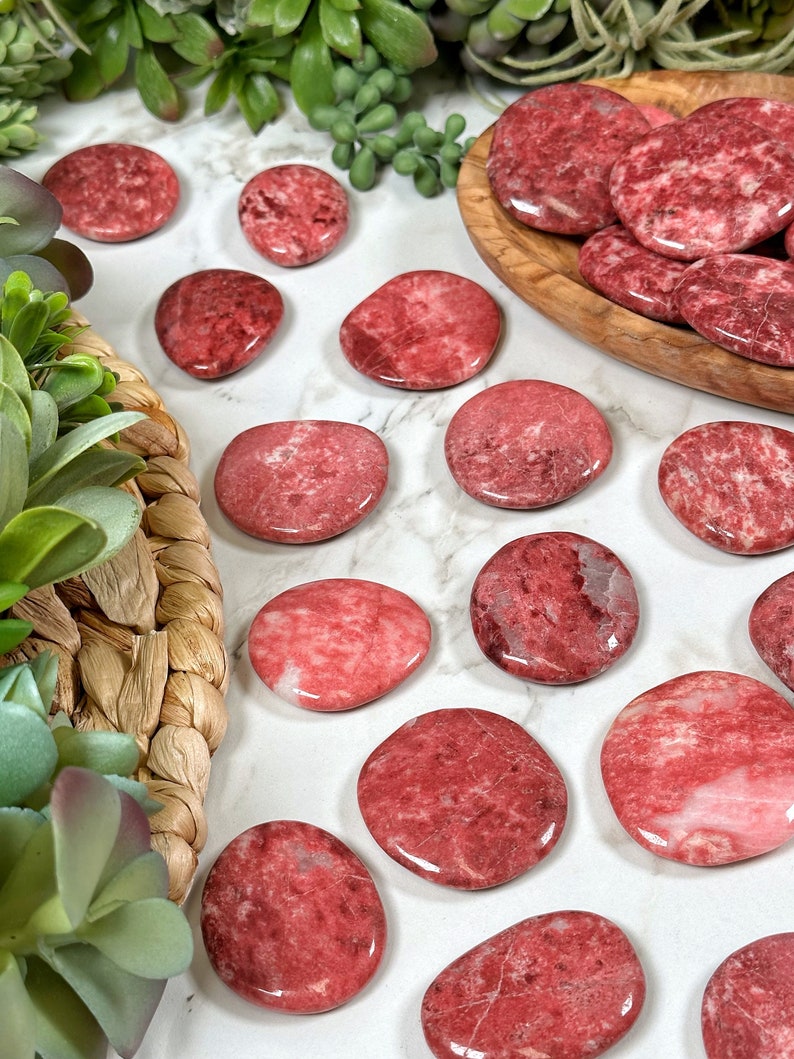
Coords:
219,91
102,752
115,511
157,91
398,33
258,101
13,476
262,12
43,425
73,378
150,938
341,29
64,1026
12,632
160,29
77,441
19,683
288,15
145,876
18,1040
13,372
14,412
84,82
312,68
198,42
16,827
44,545
30,882
10,593
27,325
28,753
111,52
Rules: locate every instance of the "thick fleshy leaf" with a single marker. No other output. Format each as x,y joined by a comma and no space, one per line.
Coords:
288,15
122,1003
311,67
31,881
145,876
398,33
65,1028
157,91
111,51
341,29
43,424
150,938
85,81
18,1036
72,264
18,684
198,42
86,812
13,477
44,274
134,838
12,632
43,545
116,511
97,467
258,101
27,752
74,377
35,209
102,752
139,793
16,827
77,441
10,593
14,373
11,408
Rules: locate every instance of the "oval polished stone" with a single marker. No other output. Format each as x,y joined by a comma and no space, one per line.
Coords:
293,214
301,480
742,302
731,484
552,152
526,444
746,1011
463,797
291,918
422,331
113,192
338,643
215,322
771,628
554,607
565,984
775,116
701,768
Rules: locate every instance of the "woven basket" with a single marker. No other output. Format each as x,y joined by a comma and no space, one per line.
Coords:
140,638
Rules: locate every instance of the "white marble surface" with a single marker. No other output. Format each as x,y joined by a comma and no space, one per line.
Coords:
428,539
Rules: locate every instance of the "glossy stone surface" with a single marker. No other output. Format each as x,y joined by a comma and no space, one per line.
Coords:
291,918
422,330
707,184
293,214
731,484
565,984
526,444
463,797
554,607
301,480
626,272
337,643
552,153
771,628
215,322
743,302
113,192
788,240
701,768
775,116
746,1011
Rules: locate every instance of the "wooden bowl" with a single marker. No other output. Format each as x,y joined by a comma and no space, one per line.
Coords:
542,269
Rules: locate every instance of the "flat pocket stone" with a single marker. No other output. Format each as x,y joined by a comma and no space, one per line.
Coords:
731,484
566,984
113,192
291,918
463,797
771,628
746,1011
301,481
742,302
701,768
338,643
422,330
293,214
554,607
775,116
215,322
526,444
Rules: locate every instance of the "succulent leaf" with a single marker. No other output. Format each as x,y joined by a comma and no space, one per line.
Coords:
116,512
312,68
65,1028
36,211
103,752
149,938
30,882
132,840
27,752
18,1039
146,875
13,411
16,827
44,545
43,425
398,33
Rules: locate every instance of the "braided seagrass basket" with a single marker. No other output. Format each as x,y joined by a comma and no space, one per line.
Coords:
140,638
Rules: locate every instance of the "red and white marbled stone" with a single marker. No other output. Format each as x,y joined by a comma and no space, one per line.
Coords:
526,444
291,918
703,185
771,628
623,270
788,240
775,116
743,302
463,797
701,768
422,330
747,1011
554,607
113,192
293,214
215,322
552,153
335,644
566,985
731,484
301,480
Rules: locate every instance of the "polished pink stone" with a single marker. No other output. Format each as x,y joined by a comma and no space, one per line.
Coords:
422,331
463,797
747,1010
291,918
623,270
293,214
743,302
771,628
301,480
554,607
732,485
113,192
788,240
335,644
213,323
552,153
561,985
707,184
701,768
775,116
526,444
